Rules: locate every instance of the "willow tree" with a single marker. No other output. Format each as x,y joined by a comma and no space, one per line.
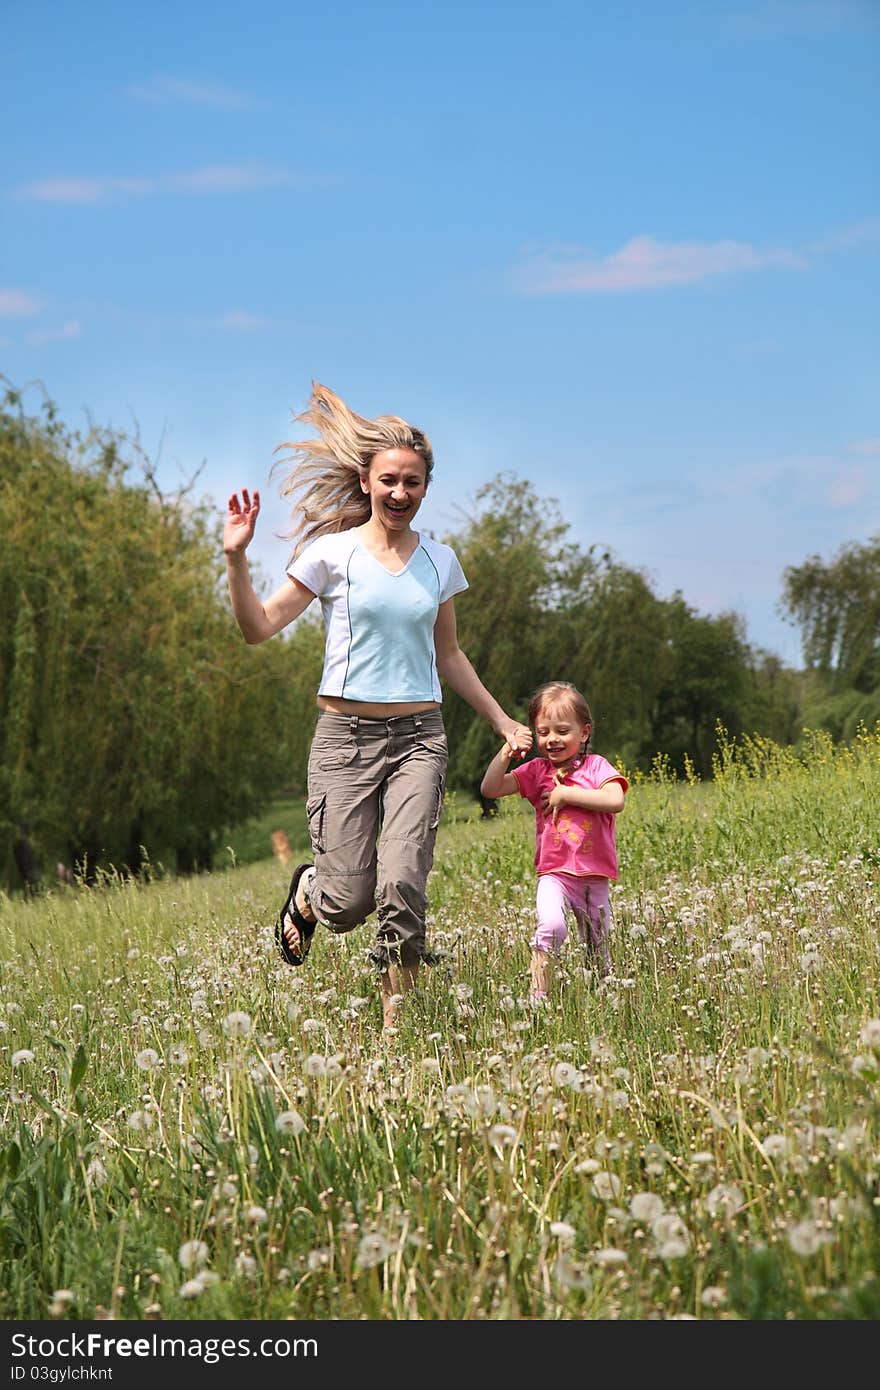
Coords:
132,713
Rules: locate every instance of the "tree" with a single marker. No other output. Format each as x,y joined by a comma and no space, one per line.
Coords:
837,607
132,713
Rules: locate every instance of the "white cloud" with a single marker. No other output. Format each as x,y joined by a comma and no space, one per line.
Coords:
646,264
16,303
211,178
39,336
847,487
243,322
172,91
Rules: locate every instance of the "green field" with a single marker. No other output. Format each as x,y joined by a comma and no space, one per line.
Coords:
191,1129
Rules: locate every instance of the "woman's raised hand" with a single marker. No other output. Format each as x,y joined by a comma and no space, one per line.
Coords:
241,519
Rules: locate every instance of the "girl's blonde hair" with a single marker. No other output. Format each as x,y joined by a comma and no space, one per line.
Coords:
562,693
325,481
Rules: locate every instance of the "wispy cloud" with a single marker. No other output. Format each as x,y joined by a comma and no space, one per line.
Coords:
16,303
174,91
646,264
770,19
210,178
240,321
847,487
38,336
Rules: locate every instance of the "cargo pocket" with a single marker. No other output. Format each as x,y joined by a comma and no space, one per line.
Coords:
438,809
329,758
315,808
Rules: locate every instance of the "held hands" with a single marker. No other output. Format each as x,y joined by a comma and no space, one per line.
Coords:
240,522
517,737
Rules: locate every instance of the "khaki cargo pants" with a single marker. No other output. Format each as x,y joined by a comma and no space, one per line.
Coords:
374,800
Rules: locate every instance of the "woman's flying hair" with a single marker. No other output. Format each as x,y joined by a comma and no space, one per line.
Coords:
325,479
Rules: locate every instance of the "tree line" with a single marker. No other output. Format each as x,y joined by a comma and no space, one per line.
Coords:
133,719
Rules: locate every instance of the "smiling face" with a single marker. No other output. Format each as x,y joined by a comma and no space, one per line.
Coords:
559,735
395,484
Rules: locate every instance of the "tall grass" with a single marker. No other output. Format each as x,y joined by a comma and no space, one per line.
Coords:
192,1129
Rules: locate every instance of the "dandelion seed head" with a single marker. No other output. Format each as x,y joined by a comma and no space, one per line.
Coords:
192,1254
562,1231
147,1059
22,1057
290,1122
713,1297
373,1250
724,1200
606,1186
646,1206
805,1238
238,1024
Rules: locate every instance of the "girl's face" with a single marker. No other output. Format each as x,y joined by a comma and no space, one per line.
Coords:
395,484
558,734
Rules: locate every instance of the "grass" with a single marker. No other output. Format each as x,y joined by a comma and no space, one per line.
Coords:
190,1129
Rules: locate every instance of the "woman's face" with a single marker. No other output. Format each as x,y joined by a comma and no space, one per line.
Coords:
395,484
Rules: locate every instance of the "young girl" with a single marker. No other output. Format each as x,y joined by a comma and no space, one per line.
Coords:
576,795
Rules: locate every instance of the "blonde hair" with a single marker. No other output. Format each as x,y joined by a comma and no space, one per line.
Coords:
326,479
566,695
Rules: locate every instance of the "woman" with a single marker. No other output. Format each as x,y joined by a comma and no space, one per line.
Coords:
378,758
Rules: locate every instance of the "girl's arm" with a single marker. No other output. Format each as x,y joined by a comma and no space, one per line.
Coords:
497,781
609,797
257,621
459,674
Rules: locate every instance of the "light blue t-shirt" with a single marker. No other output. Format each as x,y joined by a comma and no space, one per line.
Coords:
379,626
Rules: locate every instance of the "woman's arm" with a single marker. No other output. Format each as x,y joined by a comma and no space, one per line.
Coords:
257,621
497,781
459,674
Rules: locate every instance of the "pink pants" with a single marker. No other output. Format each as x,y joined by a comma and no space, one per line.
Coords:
588,900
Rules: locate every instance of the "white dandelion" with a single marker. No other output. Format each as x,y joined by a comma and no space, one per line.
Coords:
245,1266
96,1173
255,1215
606,1186
646,1206
502,1136
316,1065
374,1249
564,1074
192,1254
22,1057
775,1146
562,1231
191,1289
713,1297
238,1025
724,1200
147,1059
805,1238
870,1034
610,1256
290,1122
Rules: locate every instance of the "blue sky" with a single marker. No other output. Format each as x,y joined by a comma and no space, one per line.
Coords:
628,250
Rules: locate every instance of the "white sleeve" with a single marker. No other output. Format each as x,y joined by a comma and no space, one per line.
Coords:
453,581
311,569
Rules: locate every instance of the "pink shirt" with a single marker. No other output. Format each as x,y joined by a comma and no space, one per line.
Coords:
581,842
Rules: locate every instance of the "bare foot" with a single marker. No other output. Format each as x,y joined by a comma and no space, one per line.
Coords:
291,934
